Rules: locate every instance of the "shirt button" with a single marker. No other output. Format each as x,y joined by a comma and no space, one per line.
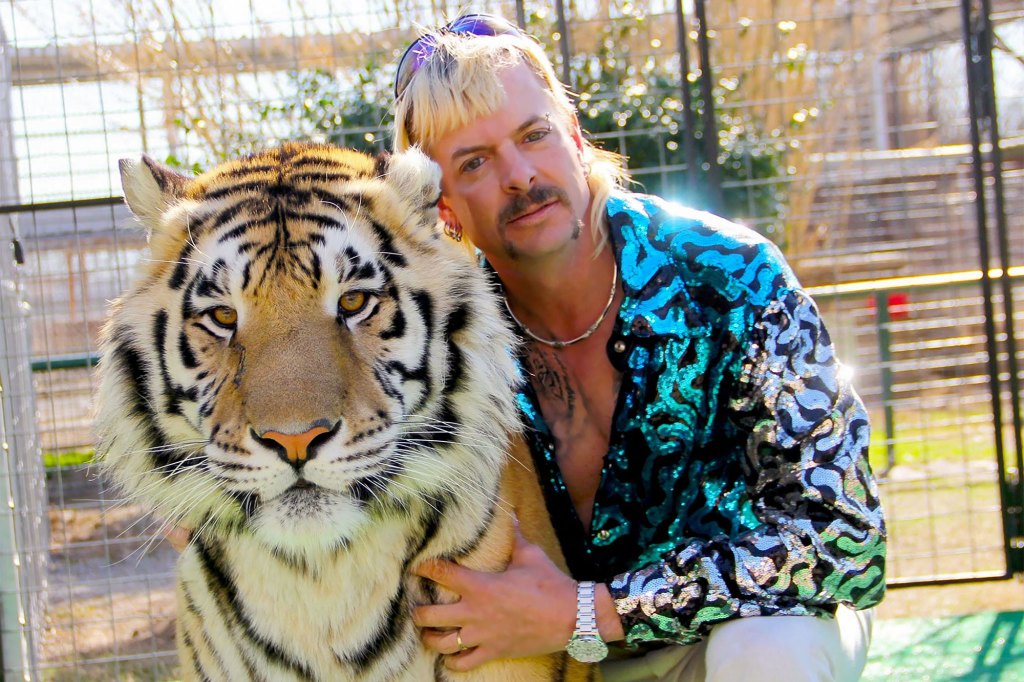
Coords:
619,346
603,535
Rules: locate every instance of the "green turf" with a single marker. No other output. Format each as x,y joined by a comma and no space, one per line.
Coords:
982,647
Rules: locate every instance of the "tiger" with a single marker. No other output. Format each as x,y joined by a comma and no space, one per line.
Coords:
320,385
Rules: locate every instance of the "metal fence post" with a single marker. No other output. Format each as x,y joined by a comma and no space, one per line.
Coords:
563,43
689,148
709,123
521,13
882,323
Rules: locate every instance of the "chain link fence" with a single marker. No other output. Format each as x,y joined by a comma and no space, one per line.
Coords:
840,129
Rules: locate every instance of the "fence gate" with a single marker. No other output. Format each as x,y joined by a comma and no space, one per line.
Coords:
997,274
880,143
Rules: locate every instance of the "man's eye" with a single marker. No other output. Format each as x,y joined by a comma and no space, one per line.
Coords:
536,135
472,164
353,302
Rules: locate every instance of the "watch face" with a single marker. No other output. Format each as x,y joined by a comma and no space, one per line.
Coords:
587,648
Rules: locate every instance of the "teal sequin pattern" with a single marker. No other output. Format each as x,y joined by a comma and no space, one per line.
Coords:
736,481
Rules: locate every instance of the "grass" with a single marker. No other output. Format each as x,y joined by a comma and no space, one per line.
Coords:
922,437
68,458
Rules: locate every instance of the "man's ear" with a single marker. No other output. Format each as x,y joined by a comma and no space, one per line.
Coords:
576,132
452,226
445,209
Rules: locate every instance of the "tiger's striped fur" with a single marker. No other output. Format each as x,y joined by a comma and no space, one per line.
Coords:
244,333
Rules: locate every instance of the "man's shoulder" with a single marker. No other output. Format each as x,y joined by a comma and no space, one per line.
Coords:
705,249
669,226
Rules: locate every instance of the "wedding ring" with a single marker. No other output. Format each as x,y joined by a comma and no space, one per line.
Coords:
458,640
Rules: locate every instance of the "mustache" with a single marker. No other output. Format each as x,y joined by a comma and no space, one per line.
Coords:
537,196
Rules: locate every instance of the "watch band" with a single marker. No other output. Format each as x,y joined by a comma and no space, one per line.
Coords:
586,644
586,613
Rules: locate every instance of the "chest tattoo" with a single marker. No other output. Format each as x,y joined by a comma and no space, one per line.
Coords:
551,380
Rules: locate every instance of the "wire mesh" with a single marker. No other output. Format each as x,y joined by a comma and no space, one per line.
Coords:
841,132
23,529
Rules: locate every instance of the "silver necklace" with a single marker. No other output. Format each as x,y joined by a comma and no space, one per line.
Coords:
554,343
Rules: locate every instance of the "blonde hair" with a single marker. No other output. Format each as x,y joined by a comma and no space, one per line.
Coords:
460,82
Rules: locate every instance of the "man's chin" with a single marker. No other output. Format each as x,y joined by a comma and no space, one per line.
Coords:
308,521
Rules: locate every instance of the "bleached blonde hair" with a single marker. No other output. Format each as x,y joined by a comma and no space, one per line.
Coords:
460,82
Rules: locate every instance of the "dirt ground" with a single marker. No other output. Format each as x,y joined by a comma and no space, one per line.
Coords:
111,609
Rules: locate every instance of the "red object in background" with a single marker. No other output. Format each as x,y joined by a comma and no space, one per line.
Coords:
898,303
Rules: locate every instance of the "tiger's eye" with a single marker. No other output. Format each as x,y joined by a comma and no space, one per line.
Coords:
351,303
224,316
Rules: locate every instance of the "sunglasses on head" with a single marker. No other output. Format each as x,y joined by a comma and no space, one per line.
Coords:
417,54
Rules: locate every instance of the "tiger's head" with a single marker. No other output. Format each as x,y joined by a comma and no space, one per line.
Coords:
303,351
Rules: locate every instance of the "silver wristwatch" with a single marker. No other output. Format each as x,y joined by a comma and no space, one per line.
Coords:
586,645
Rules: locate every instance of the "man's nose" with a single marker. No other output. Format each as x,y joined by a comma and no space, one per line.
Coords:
518,173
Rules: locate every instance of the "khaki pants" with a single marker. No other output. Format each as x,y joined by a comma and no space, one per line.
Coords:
763,649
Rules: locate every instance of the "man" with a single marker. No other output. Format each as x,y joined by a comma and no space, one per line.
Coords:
703,460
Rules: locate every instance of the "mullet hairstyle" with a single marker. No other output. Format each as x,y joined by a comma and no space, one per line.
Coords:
459,82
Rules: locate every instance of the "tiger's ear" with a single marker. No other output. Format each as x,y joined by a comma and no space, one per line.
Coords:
416,178
150,188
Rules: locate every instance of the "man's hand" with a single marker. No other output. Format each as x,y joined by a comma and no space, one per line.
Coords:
528,610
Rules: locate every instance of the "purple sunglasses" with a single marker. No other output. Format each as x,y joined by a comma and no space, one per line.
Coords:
417,54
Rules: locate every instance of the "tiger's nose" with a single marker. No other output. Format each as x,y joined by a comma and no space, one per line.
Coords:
296,448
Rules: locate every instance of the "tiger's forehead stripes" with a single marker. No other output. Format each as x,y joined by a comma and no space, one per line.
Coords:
291,163
296,184
283,206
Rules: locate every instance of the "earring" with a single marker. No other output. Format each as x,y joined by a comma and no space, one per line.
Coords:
453,230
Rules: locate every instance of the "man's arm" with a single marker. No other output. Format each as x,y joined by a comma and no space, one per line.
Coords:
822,537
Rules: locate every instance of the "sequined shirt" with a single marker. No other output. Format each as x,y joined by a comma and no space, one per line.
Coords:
736,482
